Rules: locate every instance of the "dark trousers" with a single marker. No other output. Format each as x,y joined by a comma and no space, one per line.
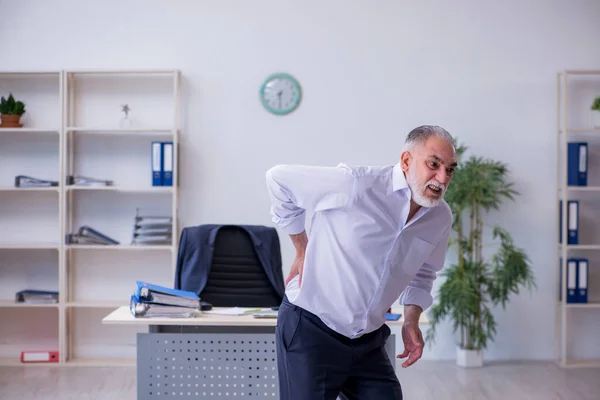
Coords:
316,363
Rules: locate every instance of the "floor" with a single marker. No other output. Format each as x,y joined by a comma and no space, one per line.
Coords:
426,380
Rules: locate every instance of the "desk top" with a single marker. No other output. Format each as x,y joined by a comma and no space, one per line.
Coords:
122,315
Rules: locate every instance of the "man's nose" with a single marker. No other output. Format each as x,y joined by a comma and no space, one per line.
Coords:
442,177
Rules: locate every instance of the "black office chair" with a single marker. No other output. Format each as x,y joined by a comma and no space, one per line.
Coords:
231,265
236,276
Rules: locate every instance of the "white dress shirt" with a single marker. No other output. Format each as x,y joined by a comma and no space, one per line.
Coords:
361,254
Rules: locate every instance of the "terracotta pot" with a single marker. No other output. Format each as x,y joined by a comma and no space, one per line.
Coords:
10,121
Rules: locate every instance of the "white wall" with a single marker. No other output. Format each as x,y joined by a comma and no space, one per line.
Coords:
370,72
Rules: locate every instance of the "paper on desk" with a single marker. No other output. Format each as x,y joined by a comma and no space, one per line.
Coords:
233,311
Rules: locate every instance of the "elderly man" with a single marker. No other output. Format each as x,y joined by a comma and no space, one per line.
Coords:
377,234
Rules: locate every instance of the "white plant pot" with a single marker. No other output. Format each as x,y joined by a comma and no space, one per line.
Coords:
596,119
468,358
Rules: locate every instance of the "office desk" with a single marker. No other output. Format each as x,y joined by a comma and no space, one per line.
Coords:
209,357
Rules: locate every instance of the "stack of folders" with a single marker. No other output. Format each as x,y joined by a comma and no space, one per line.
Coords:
36,296
149,300
25,181
88,235
152,230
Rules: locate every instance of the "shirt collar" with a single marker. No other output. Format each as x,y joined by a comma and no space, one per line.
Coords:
398,179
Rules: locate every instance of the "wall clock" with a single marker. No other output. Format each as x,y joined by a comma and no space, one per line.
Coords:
280,93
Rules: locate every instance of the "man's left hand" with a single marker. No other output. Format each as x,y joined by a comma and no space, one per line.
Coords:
413,343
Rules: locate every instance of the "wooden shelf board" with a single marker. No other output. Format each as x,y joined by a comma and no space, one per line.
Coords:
29,246
572,363
30,189
16,362
124,71
13,304
582,246
582,305
30,72
118,247
28,130
148,189
101,362
582,72
584,188
114,130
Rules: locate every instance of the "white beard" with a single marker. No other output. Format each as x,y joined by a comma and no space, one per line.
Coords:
418,190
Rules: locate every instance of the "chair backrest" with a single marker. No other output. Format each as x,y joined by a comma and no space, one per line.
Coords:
236,276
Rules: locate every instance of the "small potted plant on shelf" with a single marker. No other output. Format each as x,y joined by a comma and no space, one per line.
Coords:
596,112
11,112
478,281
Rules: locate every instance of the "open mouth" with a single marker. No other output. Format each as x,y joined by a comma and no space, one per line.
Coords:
434,189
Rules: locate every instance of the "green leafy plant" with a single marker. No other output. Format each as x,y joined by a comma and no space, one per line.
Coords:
11,107
474,284
596,104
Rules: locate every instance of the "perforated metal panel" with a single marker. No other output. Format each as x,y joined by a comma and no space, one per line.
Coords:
207,366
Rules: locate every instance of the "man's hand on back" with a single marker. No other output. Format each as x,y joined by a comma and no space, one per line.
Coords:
300,241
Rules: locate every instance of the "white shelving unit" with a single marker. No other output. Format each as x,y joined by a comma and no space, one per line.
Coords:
577,323
72,126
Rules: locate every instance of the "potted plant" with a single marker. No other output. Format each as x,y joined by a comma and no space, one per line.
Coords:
596,112
478,281
11,112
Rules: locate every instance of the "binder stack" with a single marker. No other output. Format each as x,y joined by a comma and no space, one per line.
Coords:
80,180
36,296
577,280
162,163
149,300
152,230
88,235
24,181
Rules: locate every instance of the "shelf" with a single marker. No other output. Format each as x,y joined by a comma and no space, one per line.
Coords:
77,128
29,246
123,72
129,247
581,130
148,189
30,189
583,305
581,246
116,131
584,188
582,72
16,362
12,304
30,72
571,363
28,130
101,362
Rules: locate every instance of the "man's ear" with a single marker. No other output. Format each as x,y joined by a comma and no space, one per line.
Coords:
405,160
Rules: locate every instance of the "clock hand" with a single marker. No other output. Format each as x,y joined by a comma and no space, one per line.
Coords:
279,95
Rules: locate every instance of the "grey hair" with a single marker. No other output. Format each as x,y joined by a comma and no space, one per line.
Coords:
420,135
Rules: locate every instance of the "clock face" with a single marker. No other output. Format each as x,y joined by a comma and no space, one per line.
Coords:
280,94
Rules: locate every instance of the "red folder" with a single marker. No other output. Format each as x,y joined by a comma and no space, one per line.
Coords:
39,356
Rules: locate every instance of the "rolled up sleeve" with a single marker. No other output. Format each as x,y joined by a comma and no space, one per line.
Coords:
295,189
418,291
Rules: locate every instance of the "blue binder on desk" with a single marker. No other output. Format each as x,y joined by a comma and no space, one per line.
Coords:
156,163
150,293
143,309
577,163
